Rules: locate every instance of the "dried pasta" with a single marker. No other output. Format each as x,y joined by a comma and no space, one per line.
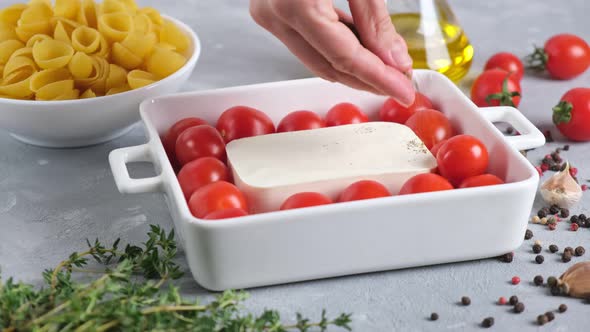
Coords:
69,49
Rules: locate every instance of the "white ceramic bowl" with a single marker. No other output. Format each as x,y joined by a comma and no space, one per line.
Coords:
83,122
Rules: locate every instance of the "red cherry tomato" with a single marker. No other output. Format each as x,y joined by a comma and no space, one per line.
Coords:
169,139
564,56
242,121
214,197
480,181
497,86
226,213
300,120
572,114
431,126
426,182
198,142
436,147
461,157
364,189
508,62
392,111
305,199
200,172
345,113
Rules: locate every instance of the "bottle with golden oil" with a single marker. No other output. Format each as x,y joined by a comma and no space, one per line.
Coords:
435,39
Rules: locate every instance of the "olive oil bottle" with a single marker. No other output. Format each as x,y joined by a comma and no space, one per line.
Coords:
434,37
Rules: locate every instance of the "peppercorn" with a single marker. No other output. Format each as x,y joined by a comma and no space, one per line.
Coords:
553,209
465,300
507,258
564,213
434,316
574,219
562,308
528,234
515,280
519,307
551,281
570,249
542,319
550,315
537,248
539,259
541,213
538,242
551,220
566,147
548,136
566,257
513,300
488,322
582,217
502,300
580,251
553,248
544,221
584,187
551,227
573,171
509,130
538,280
555,168
555,291
535,219
574,227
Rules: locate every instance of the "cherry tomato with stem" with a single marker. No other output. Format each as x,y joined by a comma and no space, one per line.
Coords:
242,121
300,120
200,172
305,199
426,182
216,196
496,87
226,213
345,113
564,56
393,111
572,114
198,142
461,157
364,189
430,126
481,181
508,62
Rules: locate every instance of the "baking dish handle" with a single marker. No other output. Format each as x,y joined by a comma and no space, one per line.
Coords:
530,136
119,159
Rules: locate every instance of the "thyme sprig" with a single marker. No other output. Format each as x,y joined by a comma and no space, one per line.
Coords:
130,295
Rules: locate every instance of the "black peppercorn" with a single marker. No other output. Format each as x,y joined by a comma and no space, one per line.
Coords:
551,281
539,259
564,213
555,291
566,147
553,248
550,315
566,257
465,300
538,280
562,308
434,316
537,248
542,319
554,209
574,219
513,300
542,213
582,217
528,234
519,307
507,258
488,322
570,249
580,251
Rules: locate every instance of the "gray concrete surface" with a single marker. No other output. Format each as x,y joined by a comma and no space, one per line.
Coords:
51,200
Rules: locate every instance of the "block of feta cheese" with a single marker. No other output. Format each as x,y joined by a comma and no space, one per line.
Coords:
270,168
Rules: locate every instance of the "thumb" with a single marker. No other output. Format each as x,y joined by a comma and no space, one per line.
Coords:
378,33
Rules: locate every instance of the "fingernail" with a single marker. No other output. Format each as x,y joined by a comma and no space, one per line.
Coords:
401,57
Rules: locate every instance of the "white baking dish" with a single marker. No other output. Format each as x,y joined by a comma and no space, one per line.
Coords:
348,238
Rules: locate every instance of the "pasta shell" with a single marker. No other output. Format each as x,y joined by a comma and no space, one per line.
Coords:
54,90
69,95
16,85
18,63
80,65
52,53
171,34
26,31
67,8
117,77
139,78
118,89
87,14
115,26
48,76
143,24
25,51
163,62
153,14
124,57
36,38
11,14
139,44
7,48
7,32
85,39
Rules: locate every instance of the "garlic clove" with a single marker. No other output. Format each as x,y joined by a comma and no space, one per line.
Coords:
561,189
577,280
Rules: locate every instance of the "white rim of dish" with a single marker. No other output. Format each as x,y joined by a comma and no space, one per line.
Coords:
196,43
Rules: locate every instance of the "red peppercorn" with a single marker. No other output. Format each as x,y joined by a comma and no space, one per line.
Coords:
557,219
544,167
539,170
573,171
551,227
502,300
515,280
547,156
574,227
584,187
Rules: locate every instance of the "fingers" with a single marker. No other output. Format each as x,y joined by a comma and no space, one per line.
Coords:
378,33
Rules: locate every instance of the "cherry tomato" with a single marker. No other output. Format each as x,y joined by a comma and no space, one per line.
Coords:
480,181
392,111
508,62
300,120
169,139
197,142
564,56
425,182
242,121
436,147
431,126
214,197
364,189
200,172
461,157
226,213
572,114
305,199
345,113
496,87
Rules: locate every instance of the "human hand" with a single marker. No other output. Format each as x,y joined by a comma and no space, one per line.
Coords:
313,30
